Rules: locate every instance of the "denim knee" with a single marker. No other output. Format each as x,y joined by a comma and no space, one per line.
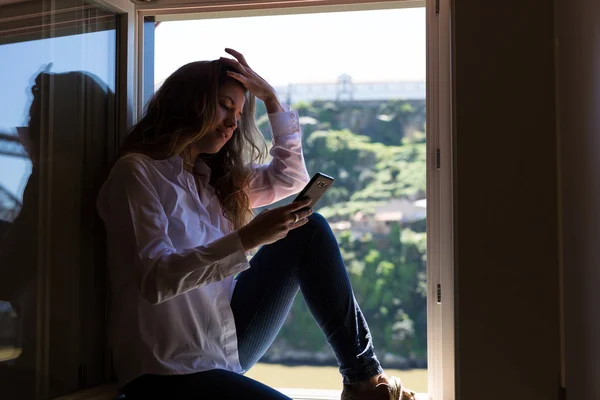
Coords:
319,221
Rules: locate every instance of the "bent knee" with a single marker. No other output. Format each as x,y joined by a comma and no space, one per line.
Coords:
318,220
316,223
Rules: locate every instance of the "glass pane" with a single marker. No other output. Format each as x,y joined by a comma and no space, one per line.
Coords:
361,98
57,117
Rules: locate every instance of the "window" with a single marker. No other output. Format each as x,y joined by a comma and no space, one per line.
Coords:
61,309
363,113
57,126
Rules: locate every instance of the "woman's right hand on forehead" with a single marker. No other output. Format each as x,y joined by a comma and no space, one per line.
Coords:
251,80
271,225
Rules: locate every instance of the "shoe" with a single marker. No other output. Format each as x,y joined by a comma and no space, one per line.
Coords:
387,388
397,391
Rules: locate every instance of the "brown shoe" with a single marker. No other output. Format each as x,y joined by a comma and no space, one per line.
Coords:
387,388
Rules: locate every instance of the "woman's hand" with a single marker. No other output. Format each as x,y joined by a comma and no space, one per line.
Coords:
271,225
252,81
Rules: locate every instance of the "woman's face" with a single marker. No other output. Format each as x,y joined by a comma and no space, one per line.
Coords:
229,111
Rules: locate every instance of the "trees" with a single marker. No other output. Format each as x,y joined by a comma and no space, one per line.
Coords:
376,152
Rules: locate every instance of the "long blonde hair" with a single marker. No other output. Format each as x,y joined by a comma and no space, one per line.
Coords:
181,112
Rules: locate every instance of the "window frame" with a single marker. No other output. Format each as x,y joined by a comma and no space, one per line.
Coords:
127,62
90,370
440,205
126,108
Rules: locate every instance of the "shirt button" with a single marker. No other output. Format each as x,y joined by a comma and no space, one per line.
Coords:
292,115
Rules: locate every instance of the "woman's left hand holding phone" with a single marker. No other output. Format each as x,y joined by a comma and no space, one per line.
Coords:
272,225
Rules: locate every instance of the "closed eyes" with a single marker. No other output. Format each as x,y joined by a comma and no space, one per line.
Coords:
231,109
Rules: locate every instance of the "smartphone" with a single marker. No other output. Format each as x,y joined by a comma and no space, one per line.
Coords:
314,189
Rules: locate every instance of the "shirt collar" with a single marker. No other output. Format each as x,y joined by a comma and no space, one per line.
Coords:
201,169
176,164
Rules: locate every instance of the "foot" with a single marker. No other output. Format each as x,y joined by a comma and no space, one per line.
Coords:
381,387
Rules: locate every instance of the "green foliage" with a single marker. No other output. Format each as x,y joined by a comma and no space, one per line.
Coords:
389,288
366,172
386,122
376,152
389,281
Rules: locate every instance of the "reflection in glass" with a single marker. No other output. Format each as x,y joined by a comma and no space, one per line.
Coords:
57,118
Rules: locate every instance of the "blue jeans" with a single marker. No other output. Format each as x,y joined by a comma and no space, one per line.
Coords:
307,259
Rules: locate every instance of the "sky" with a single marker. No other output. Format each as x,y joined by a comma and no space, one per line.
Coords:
381,45
24,60
370,46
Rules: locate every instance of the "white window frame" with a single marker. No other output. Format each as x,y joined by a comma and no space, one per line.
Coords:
127,61
441,310
440,224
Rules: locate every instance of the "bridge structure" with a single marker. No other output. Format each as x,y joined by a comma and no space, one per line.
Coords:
10,145
345,89
10,205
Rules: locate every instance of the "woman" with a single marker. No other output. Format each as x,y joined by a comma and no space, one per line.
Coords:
189,314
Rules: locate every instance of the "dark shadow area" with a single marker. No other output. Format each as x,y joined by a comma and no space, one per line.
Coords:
49,253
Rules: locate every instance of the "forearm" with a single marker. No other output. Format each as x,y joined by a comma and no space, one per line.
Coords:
286,173
174,273
273,104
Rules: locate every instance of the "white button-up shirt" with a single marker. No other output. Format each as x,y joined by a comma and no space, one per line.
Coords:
173,256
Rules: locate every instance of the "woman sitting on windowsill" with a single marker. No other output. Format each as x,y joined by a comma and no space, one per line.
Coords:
190,314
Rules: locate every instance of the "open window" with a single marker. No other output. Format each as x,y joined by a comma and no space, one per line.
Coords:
376,115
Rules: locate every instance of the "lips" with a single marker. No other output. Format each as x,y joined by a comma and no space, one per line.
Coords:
225,134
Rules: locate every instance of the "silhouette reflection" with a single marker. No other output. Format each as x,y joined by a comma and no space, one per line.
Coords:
52,254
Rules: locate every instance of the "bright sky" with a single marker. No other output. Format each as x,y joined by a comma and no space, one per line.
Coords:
382,45
387,45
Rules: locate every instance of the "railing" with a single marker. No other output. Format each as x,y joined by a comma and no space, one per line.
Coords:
352,91
11,145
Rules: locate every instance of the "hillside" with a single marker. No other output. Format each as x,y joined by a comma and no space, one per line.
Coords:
376,152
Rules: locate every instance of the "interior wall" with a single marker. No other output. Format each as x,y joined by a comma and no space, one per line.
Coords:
579,140
505,193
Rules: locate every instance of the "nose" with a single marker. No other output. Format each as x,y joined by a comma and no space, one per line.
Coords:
231,121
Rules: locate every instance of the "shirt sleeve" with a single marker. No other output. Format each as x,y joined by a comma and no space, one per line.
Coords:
286,173
137,229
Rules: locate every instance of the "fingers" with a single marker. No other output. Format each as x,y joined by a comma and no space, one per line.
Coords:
297,205
239,56
302,214
238,77
234,64
299,218
247,77
298,224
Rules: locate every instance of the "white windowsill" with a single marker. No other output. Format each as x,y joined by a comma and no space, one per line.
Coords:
108,392
322,394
